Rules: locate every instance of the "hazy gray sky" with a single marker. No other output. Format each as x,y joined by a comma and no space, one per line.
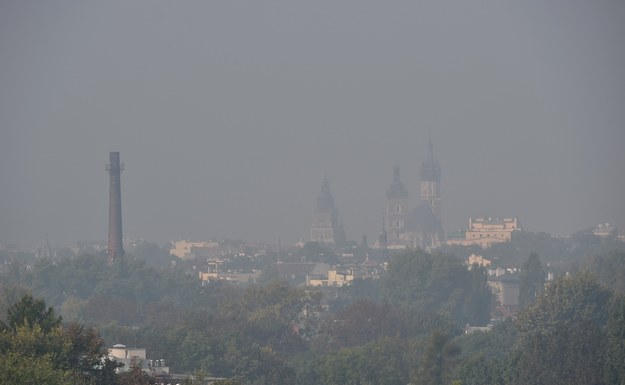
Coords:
227,114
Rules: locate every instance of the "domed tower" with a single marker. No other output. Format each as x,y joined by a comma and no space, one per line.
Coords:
431,182
397,208
325,217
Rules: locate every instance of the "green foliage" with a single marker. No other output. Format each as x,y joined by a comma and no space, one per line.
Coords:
363,322
257,365
476,369
59,355
532,280
558,251
573,334
9,296
615,344
610,269
438,361
153,255
441,285
560,337
568,299
269,313
375,331
491,345
30,311
383,362
135,376
18,369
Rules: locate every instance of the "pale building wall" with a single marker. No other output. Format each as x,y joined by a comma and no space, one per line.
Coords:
334,278
127,353
485,232
182,249
397,211
322,229
479,260
316,282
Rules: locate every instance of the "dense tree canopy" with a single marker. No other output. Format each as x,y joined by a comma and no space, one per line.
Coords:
532,280
405,327
438,286
36,348
560,337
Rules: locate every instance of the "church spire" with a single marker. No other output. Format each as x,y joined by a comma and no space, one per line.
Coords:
430,147
430,170
325,227
325,201
431,181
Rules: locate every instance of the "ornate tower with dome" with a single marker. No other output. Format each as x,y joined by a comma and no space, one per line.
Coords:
420,226
397,209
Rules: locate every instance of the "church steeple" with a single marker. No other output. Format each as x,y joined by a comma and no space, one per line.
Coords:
430,170
325,227
431,181
325,201
397,208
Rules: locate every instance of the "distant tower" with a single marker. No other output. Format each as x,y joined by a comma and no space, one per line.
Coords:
115,245
431,182
397,208
325,217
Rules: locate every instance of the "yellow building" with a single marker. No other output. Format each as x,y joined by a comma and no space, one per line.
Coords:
479,260
334,279
485,232
184,249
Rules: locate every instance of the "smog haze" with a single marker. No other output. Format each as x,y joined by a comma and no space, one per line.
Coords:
228,115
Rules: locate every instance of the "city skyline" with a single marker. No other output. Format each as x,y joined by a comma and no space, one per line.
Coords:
228,115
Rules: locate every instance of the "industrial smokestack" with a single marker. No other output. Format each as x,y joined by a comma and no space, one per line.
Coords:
115,245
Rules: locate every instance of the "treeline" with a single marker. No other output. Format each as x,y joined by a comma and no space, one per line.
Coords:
406,327
562,253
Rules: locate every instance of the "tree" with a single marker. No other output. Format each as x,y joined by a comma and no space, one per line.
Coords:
477,303
561,335
30,311
438,287
382,362
610,269
135,376
485,355
532,280
476,369
615,344
59,355
438,360
17,369
87,356
363,322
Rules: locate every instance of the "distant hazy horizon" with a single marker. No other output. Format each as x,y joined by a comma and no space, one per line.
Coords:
228,115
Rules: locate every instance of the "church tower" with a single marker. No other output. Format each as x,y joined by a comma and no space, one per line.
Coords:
324,228
431,182
397,209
